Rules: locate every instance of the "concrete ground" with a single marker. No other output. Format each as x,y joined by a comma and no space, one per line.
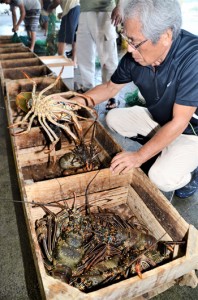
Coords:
18,279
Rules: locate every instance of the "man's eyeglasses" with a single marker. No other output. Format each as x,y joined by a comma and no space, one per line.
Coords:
130,42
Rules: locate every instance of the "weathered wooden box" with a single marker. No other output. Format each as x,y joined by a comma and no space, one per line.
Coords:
5,39
33,71
19,49
14,87
130,194
36,165
22,62
17,73
4,44
18,55
30,147
12,65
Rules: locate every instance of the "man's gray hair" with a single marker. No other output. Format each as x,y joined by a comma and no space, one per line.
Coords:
156,16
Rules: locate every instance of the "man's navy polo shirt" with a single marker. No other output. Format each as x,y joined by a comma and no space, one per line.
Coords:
174,81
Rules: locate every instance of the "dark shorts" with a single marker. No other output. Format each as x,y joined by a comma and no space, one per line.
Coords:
32,19
69,25
43,19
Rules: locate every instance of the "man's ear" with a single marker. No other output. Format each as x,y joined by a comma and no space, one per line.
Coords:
167,37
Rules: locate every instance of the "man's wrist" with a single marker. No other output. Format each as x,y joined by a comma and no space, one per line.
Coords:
88,100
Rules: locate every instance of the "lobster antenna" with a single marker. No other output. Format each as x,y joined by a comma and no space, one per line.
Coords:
87,206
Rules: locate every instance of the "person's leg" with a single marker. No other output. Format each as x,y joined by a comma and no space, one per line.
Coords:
44,23
61,48
135,123
62,36
74,58
33,40
31,24
85,48
172,169
106,45
190,188
107,51
71,26
45,27
131,121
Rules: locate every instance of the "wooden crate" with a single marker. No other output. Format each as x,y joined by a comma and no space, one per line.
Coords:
29,146
34,162
4,44
17,73
22,62
4,50
5,39
18,55
127,194
14,87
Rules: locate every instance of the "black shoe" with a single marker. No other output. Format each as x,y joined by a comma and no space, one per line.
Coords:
69,54
189,189
112,103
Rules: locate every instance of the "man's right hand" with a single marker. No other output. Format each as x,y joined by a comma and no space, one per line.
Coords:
116,16
15,28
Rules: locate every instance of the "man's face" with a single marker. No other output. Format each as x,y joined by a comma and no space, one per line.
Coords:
147,53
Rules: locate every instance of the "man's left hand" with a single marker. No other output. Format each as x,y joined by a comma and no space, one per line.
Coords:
125,161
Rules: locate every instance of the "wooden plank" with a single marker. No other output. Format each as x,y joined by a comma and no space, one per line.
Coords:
156,291
65,187
31,71
11,45
137,287
14,50
145,216
56,61
159,206
190,279
22,62
104,199
5,37
14,87
9,56
192,245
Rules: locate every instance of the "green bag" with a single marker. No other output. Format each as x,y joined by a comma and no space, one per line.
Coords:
51,41
15,38
133,99
40,47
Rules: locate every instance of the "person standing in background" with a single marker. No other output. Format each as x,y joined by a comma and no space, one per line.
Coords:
97,34
69,24
44,15
29,12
